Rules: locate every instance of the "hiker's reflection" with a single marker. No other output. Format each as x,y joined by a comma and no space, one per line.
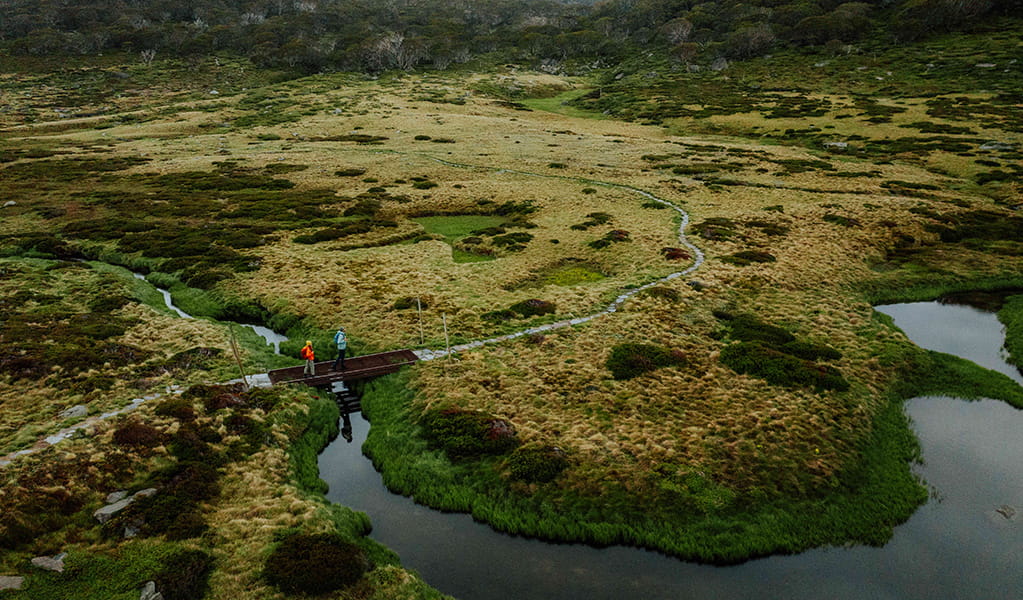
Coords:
346,427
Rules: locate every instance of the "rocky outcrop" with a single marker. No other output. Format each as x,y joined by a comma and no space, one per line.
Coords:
122,501
74,412
50,563
10,582
149,592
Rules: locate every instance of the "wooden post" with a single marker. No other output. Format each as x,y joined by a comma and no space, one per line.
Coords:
447,342
237,357
419,307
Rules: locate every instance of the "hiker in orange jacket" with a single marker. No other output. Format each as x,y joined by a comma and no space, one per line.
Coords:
310,359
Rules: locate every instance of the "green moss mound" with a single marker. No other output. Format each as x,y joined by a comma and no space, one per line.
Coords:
533,307
185,575
465,433
779,368
314,564
537,464
632,360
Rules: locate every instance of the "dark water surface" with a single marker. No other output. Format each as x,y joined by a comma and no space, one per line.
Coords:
956,546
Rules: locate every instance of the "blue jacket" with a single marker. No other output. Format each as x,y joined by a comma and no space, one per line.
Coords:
341,340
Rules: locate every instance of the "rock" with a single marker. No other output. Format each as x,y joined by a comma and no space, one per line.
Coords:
50,563
693,68
75,412
985,65
10,582
116,496
149,592
10,203
836,146
1006,511
107,512
720,64
619,75
698,285
144,493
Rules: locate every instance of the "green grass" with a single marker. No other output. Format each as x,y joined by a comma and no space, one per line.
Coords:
117,575
569,275
560,104
873,494
1012,316
921,284
455,227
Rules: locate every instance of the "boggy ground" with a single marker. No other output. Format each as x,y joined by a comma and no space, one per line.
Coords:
763,384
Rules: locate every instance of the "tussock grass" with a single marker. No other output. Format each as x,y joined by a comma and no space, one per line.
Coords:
696,460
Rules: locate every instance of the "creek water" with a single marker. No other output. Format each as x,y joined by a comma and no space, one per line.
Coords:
272,337
961,544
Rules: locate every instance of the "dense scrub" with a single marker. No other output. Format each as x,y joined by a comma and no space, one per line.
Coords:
632,360
463,434
314,564
772,353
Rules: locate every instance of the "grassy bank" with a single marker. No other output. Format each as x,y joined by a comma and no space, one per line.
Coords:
705,522
1012,316
223,503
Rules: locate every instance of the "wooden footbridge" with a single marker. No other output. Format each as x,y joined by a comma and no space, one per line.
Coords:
356,368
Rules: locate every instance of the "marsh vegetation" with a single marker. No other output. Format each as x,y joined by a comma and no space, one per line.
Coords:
753,407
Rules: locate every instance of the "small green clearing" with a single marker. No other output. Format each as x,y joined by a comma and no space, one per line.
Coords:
560,104
570,275
458,226
455,227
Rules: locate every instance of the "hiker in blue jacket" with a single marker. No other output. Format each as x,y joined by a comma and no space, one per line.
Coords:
341,341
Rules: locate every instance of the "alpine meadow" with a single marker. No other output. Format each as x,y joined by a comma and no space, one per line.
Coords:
634,245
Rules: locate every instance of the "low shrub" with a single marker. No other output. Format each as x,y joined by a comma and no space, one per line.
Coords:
512,241
407,302
137,435
176,408
611,237
675,254
185,575
216,397
192,443
810,350
716,228
748,328
840,220
536,464
779,368
352,172
314,564
748,257
533,307
465,433
631,360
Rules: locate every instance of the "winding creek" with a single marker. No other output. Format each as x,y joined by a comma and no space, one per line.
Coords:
965,543
272,337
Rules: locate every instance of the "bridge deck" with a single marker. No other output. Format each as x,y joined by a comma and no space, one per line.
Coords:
356,367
